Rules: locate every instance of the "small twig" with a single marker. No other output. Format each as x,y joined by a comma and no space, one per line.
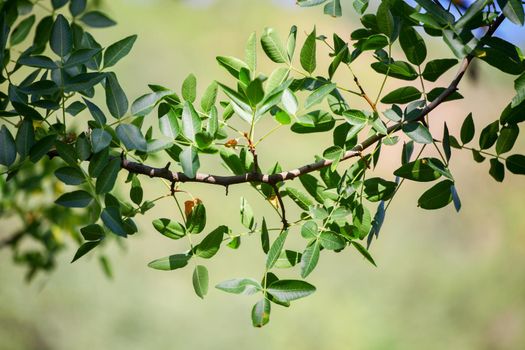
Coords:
253,151
281,204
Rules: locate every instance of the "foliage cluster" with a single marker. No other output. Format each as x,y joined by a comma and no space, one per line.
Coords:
59,173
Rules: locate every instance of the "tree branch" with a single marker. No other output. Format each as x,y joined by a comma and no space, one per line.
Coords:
256,176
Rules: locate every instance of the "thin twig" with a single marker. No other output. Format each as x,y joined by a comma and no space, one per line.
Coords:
281,204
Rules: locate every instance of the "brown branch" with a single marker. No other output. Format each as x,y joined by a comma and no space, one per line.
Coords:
256,176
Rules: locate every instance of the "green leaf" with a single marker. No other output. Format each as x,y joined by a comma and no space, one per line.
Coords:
131,137
61,40
169,228
489,135
402,95
247,218
308,53
200,281
310,258
22,30
310,230
385,20
413,45
436,92
330,240
232,160
273,47
25,138
360,6
189,160
211,243
289,290
519,86
419,170
92,232
209,97
255,92
37,62
116,99
319,94
196,220
513,10
191,122
377,189
39,149
437,11
261,313
67,153
108,176
497,170
436,68
189,88
84,249
364,252
251,52
275,249
373,42
290,44
472,11
97,19
100,139
238,100
438,196
171,262
232,64
83,147
301,199
96,113
507,138
58,3
81,56
289,101
355,117
75,199
418,132
516,164
246,286
362,221
308,3
398,70
76,7
82,82
333,8
467,129
7,147
145,104
115,52
277,77
265,237
70,176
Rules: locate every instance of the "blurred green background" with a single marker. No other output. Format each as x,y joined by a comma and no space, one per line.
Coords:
443,281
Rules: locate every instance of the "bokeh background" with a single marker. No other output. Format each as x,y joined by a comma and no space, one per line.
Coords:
444,280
